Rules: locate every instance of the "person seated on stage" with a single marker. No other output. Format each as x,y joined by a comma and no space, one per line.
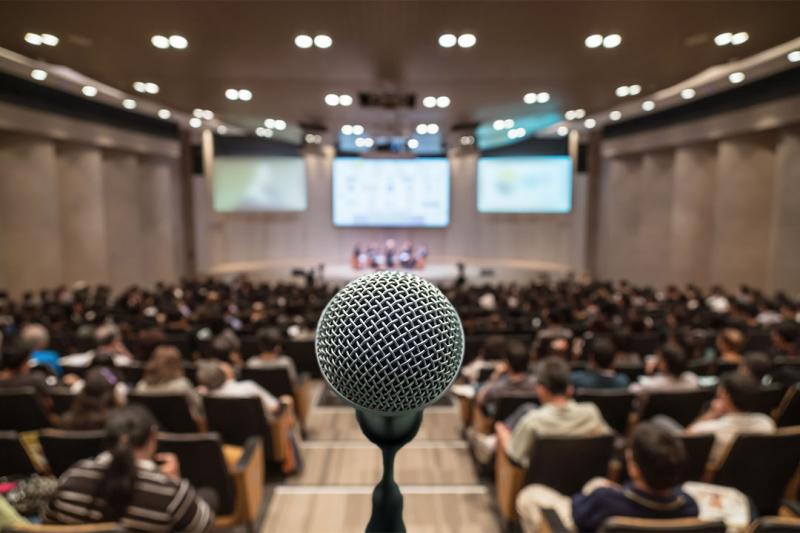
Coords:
270,344
389,253
600,374
655,460
730,342
558,414
510,376
131,484
164,374
217,378
670,372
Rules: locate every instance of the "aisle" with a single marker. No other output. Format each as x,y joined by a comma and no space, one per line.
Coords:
333,494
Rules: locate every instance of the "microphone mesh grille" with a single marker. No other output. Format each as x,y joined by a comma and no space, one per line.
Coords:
390,342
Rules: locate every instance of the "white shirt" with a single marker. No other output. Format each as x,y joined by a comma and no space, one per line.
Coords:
247,389
663,382
727,427
84,359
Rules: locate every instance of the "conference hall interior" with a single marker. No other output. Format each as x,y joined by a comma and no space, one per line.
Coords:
400,265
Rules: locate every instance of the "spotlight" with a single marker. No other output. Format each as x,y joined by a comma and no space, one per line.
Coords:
178,41
635,89
159,41
794,56
280,125
612,41
151,88
543,97
222,129
580,113
422,129
530,98
467,140
429,102
332,99
358,129
562,131
345,100
245,95
723,39
590,123
433,129
739,38
622,91
498,124
347,129
443,102
33,38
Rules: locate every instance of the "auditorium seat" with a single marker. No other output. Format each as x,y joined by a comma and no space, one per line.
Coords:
504,406
698,448
78,370
615,405
62,400
788,411
105,527
64,448
15,461
769,398
774,524
171,411
641,343
250,346
633,371
278,382
132,373
757,340
304,355
20,410
761,466
683,406
625,524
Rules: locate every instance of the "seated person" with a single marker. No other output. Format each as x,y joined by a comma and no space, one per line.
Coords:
785,338
104,361
655,460
731,414
558,415
493,351
757,365
92,405
509,377
126,485
600,373
730,342
108,339
37,338
270,356
669,374
15,372
164,374
218,378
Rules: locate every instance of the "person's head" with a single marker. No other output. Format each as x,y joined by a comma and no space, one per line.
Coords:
130,436
673,360
16,356
163,366
553,379
107,335
730,340
602,352
785,335
559,347
756,364
211,373
655,458
35,336
269,340
92,405
495,348
517,357
737,392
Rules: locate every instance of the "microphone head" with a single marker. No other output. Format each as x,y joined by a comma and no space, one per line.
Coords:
390,342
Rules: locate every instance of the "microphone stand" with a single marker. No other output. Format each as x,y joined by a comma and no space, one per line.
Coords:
389,433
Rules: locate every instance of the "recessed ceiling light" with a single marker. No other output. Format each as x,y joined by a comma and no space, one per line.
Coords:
280,125
615,115
508,123
793,56
467,40
443,102
303,41
590,123
197,112
368,142
580,113
570,114
48,39
231,94
593,41
345,100
516,133
433,129
562,131
195,122
429,102
222,129
543,97
208,114
648,105
422,129
447,40
323,41
498,124
164,114
739,38
358,129
160,41
38,74
332,99
347,129
723,39
270,123
612,41
622,91
33,38
129,103
140,87
245,95
530,98
736,77
178,41
151,88
89,90
467,140
688,93
312,138
635,89
413,144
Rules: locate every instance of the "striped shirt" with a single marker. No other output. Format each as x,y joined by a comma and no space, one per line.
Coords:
158,502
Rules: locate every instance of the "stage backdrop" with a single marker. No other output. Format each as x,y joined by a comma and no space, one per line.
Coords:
305,238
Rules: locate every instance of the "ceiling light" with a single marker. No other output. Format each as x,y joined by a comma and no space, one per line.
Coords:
739,38
245,95
49,39
89,90
635,89
590,123
280,125
736,77
303,41
33,38
231,94
793,56
38,74
530,98
313,139
570,115
723,39
129,103
467,40
208,114
443,101
622,91
422,129
433,129
347,129
222,129
368,142
159,41
508,123
612,41
178,41
580,113
345,100
164,114
197,112
358,129
270,123
447,40
648,105
593,41
562,131
264,132
323,41
688,94
151,88
498,124
332,99
359,142
195,122
140,87
413,144
543,97
615,115
429,102
516,133
467,140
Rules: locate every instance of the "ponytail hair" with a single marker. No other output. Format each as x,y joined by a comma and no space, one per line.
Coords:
127,428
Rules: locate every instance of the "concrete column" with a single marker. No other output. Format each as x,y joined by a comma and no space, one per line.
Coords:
656,214
160,216
785,264
126,260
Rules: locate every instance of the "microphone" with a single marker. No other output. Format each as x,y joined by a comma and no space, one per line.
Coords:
389,343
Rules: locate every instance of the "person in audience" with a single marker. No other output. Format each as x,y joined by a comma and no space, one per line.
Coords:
557,347
108,339
37,338
493,351
509,377
558,414
91,406
164,374
130,483
16,372
731,414
217,378
730,342
600,374
785,337
670,372
655,459
270,355
757,365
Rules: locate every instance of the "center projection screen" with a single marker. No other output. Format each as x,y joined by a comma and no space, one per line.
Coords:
528,184
396,193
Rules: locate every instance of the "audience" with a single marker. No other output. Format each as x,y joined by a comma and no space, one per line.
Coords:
270,352
219,379
130,483
492,352
37,339
91,406
785,337
655,460
600,372
670,373
730,342
164,374
16,372
108,340
511,376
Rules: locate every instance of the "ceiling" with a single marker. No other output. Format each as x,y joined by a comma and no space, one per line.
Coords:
392,46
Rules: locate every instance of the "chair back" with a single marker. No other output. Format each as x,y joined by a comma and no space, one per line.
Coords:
183,342
626,524
788,412
78,370
250,345
15,461
642,343
757,340
103,527
633,371
276,380
698,447
202,463
769,398
21,410
614,404
171,411
505,405
761,466
304,355
775,524
683,406
472,346
566,463
62,400
236,419
64,448
132,373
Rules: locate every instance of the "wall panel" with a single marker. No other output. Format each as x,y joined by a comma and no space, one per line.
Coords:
785,272
126,247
